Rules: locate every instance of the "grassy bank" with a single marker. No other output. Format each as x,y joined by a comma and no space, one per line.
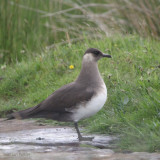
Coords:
28,26
132,77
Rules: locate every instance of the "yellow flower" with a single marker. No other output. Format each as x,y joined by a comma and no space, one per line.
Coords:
71,67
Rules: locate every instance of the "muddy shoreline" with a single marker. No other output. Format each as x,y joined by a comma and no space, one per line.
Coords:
27,139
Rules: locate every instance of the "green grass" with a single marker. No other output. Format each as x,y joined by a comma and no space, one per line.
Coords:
132,77
29,26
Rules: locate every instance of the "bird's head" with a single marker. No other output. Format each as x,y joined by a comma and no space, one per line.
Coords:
93,54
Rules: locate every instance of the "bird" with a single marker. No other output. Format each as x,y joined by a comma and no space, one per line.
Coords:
75,101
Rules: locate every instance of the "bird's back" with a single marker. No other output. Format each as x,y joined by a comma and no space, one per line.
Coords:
58,103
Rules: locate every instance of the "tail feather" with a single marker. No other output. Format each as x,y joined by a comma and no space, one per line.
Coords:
6,119
24,114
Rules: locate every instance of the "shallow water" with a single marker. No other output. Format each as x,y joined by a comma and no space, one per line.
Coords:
43,142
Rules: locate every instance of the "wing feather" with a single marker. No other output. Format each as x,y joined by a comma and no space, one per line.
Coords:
59,102
67,97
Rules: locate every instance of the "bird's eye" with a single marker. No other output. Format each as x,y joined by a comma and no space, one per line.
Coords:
96,53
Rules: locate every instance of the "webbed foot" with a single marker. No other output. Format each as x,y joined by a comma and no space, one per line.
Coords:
85,138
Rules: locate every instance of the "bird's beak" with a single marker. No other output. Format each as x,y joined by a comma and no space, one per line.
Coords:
106,55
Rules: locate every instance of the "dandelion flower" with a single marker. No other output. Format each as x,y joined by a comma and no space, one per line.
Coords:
71,67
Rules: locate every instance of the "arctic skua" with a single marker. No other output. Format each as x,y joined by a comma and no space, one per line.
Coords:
75,101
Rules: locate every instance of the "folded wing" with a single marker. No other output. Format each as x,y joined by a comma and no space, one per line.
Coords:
57,103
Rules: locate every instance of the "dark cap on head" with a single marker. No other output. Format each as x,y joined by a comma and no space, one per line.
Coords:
97,52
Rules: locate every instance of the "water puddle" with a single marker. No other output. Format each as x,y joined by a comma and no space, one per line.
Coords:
60,143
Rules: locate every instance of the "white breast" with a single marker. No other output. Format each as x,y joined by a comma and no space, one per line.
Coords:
90,108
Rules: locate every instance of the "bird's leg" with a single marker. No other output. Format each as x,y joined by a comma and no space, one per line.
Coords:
79,134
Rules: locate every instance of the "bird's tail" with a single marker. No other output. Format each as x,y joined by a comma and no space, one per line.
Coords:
24,114
5,119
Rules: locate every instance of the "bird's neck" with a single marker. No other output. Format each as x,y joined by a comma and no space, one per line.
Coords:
89,73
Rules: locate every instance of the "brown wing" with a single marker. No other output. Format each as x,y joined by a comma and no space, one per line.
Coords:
67,97
60,101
